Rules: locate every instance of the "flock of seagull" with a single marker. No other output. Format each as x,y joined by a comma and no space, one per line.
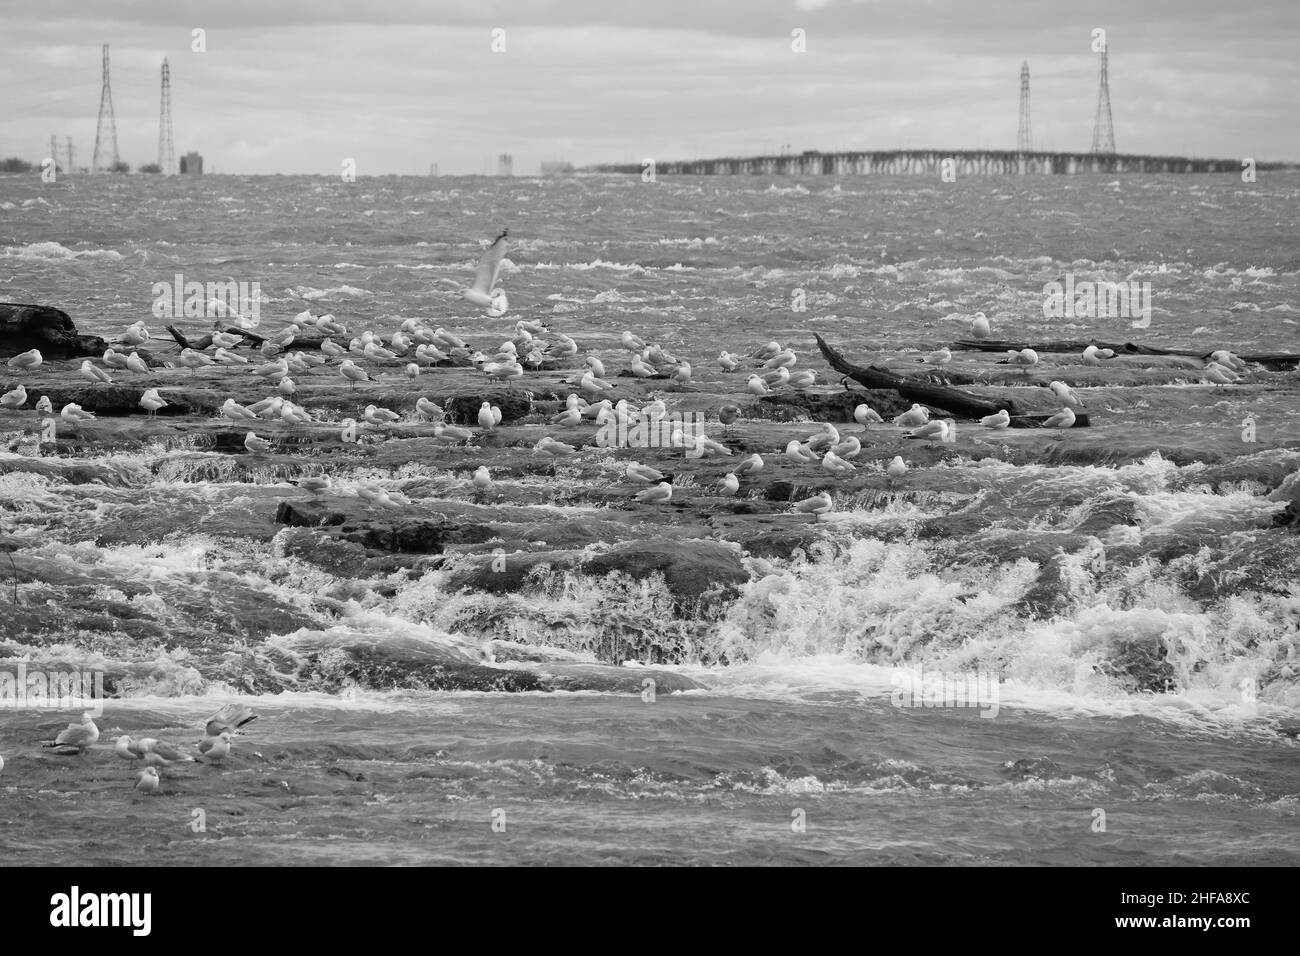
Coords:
772,367
151,753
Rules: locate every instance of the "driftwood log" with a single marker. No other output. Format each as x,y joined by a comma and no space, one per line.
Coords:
924,393
312,341
1275,361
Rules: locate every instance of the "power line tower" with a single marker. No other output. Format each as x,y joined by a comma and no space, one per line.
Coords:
54,153
1103,130
166,152
105,109
1025,138
70,165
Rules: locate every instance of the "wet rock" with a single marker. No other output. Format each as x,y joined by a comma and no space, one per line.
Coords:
51,330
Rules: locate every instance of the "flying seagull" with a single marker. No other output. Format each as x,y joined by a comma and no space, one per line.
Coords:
485,292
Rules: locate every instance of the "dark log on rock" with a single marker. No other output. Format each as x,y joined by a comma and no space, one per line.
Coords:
51,330
949,399
1274,361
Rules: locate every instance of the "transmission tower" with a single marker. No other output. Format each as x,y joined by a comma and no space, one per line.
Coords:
1103,130
1025,138
105,109
166,152
54,152
70,165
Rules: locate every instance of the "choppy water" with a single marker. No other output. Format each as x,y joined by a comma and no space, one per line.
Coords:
799,715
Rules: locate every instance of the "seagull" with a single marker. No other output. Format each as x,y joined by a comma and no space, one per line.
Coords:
287,387
380,416
865,414
640,368
756,386
229,719
556,449
1062,419
273,370
15,398
26,361
489,416
837,466
570,416
683,373
114,359
412,370
160,752
1219,375
451,433
631,342
1064,393
268,408
596,365
644,473
851,447
802,380
332,348
799,453
937,430
294,414
728,361
428,410
226,340
127,749
216,748
134,363
94,374
222,357
657,495
1025,357
192,359
72,412
979,326
256,445
151,401
729,484
776,379
484,292
939,357
764,352
232,410
818,504
135,334
783,359
378,353
753,463
44,406
482,478
913,417
76,737
147,781
727,415
897,468
1000,419
353,373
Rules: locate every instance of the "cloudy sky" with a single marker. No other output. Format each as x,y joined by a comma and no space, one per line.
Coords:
296,86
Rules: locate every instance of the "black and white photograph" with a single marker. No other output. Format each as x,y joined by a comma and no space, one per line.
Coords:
725,433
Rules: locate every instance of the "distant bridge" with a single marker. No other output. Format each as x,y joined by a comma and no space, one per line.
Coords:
929,162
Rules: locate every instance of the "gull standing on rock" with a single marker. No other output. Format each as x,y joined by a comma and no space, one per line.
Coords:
256,445
76,738
151,401
15,398
27,361
94,374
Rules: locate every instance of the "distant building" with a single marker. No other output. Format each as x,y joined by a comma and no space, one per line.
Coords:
505,165
433,169
556,168
191,164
